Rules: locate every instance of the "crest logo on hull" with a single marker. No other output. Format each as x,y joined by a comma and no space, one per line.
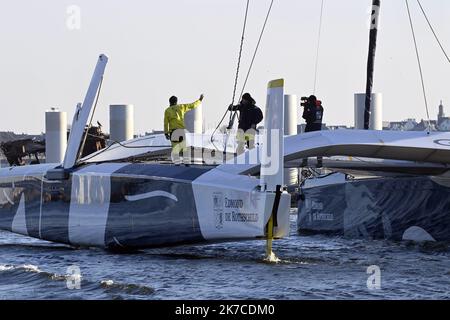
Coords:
218,209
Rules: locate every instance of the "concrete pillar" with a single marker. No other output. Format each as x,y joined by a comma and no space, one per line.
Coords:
376,118
290,114
55,135
121,122
290,128
193,120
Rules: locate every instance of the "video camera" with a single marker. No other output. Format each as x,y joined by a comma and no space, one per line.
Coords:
304,101
311,100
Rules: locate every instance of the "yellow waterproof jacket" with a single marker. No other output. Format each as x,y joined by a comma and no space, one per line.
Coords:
174,116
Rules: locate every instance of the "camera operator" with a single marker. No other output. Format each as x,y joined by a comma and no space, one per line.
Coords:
313,115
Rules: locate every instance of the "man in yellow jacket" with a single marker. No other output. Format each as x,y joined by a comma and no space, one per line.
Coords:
174,122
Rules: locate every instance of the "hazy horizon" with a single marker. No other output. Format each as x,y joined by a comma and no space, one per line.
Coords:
178,47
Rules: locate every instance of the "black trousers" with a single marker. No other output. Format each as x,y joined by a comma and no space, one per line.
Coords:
311,127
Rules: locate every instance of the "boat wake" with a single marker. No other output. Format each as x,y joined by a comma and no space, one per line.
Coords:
28,273
113,287
31,275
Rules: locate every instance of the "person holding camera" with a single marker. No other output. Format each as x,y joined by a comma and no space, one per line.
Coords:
313,115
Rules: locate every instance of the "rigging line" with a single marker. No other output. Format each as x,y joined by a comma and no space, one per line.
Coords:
126,146
257,48
420,65
254,54
432,30
97,153
237,71
114,143
318,48
240,53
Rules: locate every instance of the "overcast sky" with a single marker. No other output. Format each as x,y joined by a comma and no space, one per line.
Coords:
187,47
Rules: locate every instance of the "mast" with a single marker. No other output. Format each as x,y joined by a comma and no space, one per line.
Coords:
77,135
371,59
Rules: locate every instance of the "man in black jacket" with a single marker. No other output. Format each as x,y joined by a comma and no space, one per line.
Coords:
249,117
313,115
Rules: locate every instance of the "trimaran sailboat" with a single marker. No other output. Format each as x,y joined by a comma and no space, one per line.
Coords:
118,199
380,199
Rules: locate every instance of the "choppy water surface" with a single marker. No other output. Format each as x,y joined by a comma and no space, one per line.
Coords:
312,268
